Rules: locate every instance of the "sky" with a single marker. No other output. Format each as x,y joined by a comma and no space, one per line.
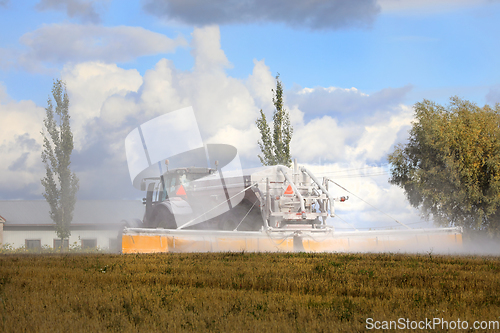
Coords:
351,71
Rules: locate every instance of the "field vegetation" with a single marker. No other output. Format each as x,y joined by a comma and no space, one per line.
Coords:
256,292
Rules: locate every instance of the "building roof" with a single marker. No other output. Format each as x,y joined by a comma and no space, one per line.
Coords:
2,219
36,212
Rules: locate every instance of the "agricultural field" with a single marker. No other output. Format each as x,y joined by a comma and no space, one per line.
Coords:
244,292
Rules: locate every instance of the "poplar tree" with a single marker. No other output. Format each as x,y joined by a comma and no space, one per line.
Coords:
275,144
59,182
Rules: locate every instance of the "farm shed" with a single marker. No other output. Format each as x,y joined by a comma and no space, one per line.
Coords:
96,223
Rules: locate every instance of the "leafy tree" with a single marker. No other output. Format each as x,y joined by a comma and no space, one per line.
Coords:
59,182
275,145
450,167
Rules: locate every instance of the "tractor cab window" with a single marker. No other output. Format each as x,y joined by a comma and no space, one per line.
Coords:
172,181
176,178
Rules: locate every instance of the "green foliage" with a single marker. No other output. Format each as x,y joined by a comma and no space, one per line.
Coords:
59,182
275,145
232,292
450,167
266,143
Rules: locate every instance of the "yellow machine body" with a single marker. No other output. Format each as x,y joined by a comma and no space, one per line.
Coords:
415,240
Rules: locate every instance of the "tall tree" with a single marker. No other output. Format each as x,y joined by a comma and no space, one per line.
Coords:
450,167
275,145
59,182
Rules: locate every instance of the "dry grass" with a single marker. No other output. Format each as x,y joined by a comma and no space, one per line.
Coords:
240,291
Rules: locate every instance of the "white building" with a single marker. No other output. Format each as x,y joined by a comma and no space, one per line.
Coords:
96,223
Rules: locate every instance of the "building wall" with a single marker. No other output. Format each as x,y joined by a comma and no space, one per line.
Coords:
17,238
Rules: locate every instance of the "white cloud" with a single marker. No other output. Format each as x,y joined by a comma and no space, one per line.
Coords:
93,88
20,147
345,101
160,92
245,140
111,93
325,139
22,117
207,54
345,124
380,136
259,84
218,99
79,43
320,139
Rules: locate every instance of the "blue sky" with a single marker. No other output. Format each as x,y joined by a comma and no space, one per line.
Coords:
351,70
439,52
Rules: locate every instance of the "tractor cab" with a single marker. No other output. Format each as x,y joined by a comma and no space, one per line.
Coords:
173,184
